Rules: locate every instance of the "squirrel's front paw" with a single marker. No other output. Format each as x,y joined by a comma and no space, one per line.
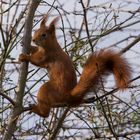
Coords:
22,57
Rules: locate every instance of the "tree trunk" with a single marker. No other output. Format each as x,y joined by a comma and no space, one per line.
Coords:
17,109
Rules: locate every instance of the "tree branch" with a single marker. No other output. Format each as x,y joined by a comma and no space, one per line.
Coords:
59,124
8,98
23,73
130,45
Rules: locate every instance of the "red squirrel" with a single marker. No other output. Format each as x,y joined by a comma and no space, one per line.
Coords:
62,86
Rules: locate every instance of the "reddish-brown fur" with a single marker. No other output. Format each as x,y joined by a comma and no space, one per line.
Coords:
62,86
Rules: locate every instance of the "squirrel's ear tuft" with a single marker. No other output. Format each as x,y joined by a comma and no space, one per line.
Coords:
55,20
52,24
44,20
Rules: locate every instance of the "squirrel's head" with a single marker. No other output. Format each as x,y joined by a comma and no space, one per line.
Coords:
45,35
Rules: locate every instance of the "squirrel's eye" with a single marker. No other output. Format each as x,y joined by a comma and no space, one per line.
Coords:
43,35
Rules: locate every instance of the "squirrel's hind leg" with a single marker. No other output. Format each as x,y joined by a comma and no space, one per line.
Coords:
46,97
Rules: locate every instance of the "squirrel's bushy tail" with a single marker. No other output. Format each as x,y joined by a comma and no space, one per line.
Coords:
100,64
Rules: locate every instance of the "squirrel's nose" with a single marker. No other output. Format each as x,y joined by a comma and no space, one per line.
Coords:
33,40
